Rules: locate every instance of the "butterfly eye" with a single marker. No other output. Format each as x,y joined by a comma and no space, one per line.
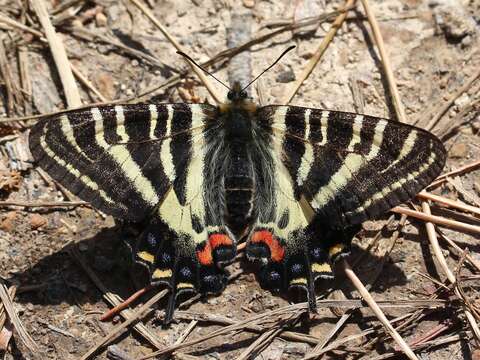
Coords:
230,95
243,94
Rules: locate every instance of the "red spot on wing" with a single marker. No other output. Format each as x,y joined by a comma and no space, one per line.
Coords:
204,251
277,251
204,254
217,240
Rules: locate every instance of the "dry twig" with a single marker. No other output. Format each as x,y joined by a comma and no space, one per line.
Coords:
377,311
377,35
117,330
432,236
462,170
439,220
450,203
50,204
59,55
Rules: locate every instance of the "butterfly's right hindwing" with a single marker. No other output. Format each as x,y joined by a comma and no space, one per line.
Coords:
122,159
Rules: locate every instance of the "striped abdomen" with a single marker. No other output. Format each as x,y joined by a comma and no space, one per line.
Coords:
239,177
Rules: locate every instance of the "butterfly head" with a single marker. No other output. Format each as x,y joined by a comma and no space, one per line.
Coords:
238,99
237,94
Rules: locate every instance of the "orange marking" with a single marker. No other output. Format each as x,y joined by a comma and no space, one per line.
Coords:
204,256
216,240
277,251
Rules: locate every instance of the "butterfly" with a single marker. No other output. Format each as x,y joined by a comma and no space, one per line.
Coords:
295,183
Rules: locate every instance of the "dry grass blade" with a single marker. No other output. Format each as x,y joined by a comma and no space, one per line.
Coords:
318,348
377,311
32,204
462,170
88,84
291,310
182,336
318,53
6,331
340,342
259,344
450,203
459,251
432,237
83,33
439,220
20,26
392,84
13,95
117,330
3,316
17,323
216,319
59,55
218,98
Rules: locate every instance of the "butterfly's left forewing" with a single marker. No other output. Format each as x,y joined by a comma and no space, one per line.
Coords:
352,167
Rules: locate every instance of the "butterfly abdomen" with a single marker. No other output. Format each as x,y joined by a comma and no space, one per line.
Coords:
239,177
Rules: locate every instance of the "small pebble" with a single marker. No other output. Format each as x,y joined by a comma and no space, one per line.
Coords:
100,19
459,150
286,76
249,3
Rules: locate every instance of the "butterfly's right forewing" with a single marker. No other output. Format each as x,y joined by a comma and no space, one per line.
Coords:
122,158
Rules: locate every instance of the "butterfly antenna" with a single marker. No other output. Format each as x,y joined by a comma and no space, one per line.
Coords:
201,68
276,61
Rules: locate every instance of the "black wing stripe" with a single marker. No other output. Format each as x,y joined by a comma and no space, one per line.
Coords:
319,126
180,148
295,124
146,154
340,132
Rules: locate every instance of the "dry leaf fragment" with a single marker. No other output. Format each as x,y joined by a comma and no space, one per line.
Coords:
105,85
10,181
5,335
37,221
8,221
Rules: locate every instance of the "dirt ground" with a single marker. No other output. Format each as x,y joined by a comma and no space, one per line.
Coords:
434,50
